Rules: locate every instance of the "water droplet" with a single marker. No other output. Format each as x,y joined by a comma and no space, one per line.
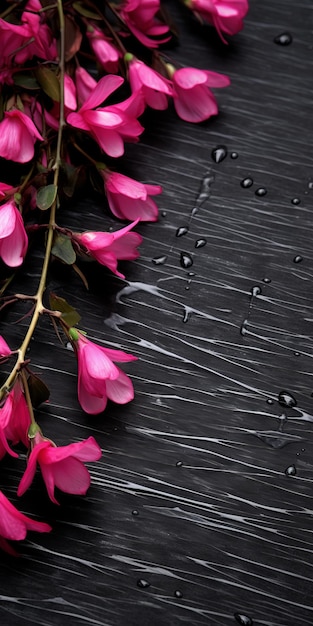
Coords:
267,280
135,512
219,154
179,463
185,260
256,291
142,583
163,213
284,39
194,211
234,155
243,328
244,620
286,399
296,201
291,470
261,191
200,243
270,401
182,230
302,449
191,274
187,287
298,259
310,185
297,353
159,260
178,594
246,182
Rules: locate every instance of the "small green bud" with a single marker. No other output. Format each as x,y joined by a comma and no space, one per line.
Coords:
73,334
101,166
170,69
17,197
33,430
128,57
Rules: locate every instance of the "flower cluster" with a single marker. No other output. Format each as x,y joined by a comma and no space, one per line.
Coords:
58,119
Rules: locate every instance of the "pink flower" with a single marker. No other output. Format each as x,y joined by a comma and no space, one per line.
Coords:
85,84
193,98
61,467
17,136
154,87
15,413
108,248
13,238
226,15
106,54
112,125
5,414
128,199
14,525
31,38
139,16
98,378
4,348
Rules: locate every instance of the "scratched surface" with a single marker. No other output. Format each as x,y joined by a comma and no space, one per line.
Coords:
200,511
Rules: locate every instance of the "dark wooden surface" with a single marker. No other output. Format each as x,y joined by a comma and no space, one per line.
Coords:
191,494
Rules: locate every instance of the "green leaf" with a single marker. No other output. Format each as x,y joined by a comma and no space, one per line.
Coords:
72,174
46,196
27,80
80,8
48,82
69,314
38,390
63,249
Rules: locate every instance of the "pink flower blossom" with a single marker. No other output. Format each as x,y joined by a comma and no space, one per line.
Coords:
226,15
15,413
62,467
17,136
140,17
193,98
109,248
98,378
112,125
155,88
5,414
129,199
106,53
13,238
14,525
31,38
4,348
85,84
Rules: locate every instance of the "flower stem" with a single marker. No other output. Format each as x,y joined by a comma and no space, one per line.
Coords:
39,308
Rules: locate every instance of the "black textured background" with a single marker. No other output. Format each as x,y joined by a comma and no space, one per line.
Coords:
191,494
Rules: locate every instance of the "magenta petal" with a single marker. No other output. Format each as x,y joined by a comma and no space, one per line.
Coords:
120,390
29,473
47,475
71,476
110,141
126,247
89,403
4,348
119,356
7,218
104,88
